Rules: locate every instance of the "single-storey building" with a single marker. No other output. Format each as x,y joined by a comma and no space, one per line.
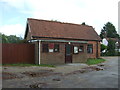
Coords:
59,43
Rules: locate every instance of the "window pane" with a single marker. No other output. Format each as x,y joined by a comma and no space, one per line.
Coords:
81,49
45,47
90,48
51,47
56,48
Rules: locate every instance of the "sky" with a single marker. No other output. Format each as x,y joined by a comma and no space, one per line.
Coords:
96,13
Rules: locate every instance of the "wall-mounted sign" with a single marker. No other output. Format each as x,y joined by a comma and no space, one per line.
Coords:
51,45
50,50
75,49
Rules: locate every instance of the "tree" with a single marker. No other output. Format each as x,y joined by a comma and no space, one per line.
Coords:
4,39
0,37
103,47
111,48
109,31
83,23
103,33
11,39
55,20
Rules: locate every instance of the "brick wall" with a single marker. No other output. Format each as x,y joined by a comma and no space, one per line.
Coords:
36,52
81,56
53,57
99,49
59,57
93,55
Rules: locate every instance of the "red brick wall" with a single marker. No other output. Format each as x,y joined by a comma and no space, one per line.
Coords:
53,57
59,57
99,49
81,56
93,55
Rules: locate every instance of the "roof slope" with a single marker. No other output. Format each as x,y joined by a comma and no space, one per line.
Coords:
44,28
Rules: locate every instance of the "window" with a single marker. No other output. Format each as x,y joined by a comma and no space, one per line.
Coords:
75,49
51,47
44,47
81,48
89,48
56,47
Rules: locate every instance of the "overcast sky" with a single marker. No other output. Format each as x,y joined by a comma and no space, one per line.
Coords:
14,13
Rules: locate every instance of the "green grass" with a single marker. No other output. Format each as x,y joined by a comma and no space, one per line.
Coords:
42,65
89,62
94,61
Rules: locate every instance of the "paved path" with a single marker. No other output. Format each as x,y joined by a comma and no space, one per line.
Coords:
66,76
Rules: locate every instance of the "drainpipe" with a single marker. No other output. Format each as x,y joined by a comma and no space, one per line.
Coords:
39,49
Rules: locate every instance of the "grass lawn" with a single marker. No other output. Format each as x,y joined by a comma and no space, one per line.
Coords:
42,65
94,61
89,62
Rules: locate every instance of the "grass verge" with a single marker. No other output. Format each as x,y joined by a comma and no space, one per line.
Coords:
94,61
41,65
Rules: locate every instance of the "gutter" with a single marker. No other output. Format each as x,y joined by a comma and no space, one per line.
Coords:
38,37
71,41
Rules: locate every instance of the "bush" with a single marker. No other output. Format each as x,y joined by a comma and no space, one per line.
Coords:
111,48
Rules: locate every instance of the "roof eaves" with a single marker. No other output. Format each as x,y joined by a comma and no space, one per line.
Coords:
37,37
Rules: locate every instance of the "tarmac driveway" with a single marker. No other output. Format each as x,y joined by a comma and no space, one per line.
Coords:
103,75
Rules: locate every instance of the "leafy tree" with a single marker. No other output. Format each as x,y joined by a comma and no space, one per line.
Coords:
103,33
83,23
11,39
103,47
55,20
4,39
0,38
109,31
111,48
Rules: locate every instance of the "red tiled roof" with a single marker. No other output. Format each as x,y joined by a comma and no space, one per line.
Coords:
44,28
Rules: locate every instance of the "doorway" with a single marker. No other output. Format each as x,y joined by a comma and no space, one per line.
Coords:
68,53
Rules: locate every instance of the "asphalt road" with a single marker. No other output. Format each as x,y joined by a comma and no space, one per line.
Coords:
106,78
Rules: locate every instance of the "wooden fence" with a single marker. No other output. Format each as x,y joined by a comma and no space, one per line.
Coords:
18,53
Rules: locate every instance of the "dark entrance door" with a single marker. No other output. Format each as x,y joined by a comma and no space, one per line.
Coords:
68,53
